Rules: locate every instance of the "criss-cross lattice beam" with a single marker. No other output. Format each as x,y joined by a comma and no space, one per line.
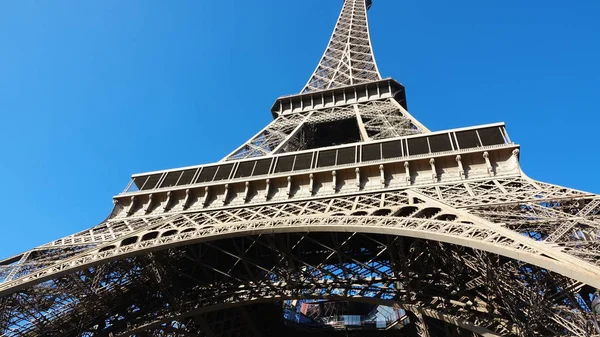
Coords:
348,267
157,290
348,58
380,119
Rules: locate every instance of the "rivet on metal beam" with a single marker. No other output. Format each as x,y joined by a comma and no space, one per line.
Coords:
433,170
488,164
407,170
461,169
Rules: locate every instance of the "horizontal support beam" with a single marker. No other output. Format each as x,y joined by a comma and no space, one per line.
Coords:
483,235
374,175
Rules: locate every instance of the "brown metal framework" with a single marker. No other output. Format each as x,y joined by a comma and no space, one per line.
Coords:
343,198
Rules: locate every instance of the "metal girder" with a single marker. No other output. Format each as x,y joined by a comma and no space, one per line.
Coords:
447,233
521,194
200,317
408,214
380,119
348,58
471,231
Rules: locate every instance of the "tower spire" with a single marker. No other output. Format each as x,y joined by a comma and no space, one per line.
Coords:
344,101
349,57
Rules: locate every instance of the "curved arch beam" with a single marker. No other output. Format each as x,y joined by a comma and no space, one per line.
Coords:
477,235
450,319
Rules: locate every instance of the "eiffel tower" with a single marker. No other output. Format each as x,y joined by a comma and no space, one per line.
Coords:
344,216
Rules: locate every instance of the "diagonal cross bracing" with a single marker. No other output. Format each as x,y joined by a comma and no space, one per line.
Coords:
444,225
348,58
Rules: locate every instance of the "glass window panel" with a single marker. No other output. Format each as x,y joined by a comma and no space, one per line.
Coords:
262,167
303,161
245,169
326,158
207,174
491,136
352,320
440,143
140,181
418,146
467,139
151,182
346,156
307,101
384,89
186,177
371,152
284,164
171,179
391,149
223,172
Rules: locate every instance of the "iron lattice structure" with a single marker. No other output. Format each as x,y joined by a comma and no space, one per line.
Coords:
344,200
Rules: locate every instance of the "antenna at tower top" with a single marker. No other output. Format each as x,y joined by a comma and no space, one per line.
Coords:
349,57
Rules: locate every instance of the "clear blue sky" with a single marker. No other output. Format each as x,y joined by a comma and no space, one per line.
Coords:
94,91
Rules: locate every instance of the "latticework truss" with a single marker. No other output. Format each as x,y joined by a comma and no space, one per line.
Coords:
482,253
348,58
377,119
344,198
